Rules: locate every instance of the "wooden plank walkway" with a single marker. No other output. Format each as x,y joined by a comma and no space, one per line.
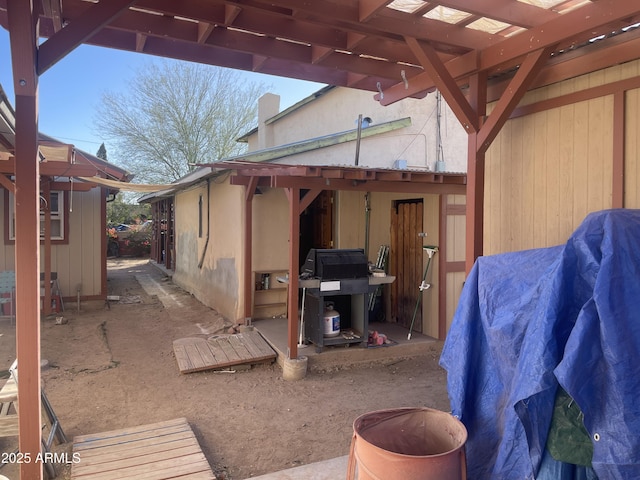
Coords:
158,451
195,354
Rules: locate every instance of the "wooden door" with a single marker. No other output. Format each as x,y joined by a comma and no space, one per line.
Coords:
406,261
323,220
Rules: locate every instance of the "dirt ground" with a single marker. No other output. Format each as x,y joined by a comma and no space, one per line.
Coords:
112,368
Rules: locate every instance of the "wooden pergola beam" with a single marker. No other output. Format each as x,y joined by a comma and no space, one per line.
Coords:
7,183
309,197
518,86
506,54
351,185
368,8
81,29
53,10
433,65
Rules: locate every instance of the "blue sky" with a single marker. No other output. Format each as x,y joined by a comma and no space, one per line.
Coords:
71,90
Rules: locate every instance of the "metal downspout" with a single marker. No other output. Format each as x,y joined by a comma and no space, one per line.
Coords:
206,241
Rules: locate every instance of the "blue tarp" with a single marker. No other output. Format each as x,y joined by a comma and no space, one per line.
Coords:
530,321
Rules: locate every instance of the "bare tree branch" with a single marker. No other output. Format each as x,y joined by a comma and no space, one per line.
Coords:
177,114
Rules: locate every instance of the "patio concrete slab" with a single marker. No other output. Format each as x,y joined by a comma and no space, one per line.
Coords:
333,469
274,330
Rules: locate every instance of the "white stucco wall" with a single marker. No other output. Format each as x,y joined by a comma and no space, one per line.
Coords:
338,110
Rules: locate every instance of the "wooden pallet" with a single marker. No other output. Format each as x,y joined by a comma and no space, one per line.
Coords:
195,354
158,451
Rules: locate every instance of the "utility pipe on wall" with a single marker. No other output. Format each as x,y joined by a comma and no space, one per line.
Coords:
358,139
206,241
367,220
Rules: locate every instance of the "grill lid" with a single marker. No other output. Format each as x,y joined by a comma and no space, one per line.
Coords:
335,264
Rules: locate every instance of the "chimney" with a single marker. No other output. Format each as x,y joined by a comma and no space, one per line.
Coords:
268,106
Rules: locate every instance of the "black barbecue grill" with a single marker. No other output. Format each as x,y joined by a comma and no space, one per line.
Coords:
335,264
341,277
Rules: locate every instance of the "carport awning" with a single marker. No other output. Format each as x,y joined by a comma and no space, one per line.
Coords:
342,177
127,187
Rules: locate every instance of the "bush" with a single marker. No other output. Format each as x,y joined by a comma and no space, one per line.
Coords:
134,242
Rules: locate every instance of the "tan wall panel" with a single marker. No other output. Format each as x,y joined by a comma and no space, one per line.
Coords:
455,282
632,150
579,162
349,221
456,232
545,172
456,241
271,230
91,241
77,263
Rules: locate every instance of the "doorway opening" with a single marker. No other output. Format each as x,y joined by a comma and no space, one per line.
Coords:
316,224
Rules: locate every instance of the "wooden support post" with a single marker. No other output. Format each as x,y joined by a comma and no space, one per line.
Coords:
294,267
248,247
28,283
475,175
22,19
475,203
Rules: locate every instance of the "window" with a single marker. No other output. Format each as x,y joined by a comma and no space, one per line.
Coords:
56,206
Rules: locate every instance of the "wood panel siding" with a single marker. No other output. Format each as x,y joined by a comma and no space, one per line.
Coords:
632,150
545,172
78,261
454,256
560,157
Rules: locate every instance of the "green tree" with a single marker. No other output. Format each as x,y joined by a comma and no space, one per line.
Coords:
102,152
119,211
178,114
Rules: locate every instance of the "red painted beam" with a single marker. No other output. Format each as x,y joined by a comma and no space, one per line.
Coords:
82,28
518,86
433,65
24,39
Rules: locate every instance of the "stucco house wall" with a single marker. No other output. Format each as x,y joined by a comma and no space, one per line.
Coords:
337,110
212,270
